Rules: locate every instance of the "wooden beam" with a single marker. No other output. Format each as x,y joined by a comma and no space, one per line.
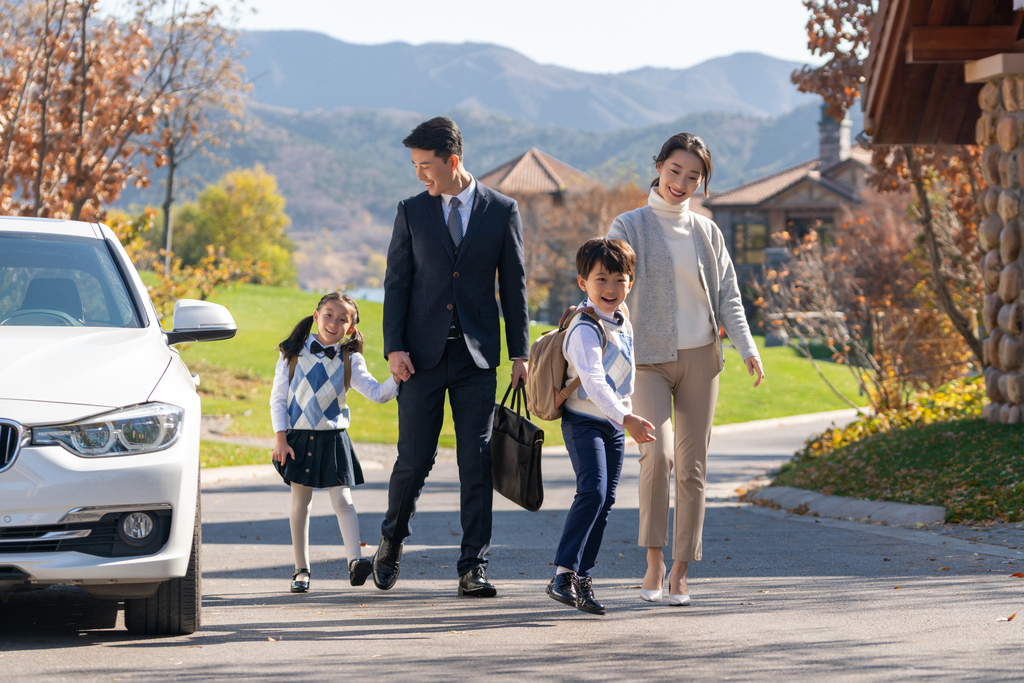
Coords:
993,67
938,44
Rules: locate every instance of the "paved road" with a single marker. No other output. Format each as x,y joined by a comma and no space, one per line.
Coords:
777,596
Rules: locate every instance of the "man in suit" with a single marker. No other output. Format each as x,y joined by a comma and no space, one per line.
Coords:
442,334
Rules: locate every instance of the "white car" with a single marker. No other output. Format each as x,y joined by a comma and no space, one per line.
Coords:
99,426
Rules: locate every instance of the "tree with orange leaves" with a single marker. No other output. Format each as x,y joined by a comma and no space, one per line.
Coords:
941,177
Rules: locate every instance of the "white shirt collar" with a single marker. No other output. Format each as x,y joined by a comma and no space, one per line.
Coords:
314,335
465,197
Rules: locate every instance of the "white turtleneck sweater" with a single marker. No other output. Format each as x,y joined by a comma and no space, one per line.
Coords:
693,311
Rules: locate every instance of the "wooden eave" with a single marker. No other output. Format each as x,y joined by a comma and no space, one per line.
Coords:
915,91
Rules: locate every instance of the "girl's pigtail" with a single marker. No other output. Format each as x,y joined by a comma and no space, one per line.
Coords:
292,346
354,342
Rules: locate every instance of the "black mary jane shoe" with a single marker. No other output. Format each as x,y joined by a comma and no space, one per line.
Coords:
300,585
359,570
474,584
562,588
585,601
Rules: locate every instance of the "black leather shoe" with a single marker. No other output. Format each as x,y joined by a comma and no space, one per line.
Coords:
385,564
585,601
358,570
474,584
563,588
300,585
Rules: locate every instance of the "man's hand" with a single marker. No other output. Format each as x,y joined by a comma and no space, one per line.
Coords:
281,448
400,365
640,429
519,372
754,366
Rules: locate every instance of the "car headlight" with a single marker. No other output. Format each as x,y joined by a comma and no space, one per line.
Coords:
128,431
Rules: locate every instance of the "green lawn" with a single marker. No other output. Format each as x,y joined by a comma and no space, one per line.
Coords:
970,466
236,374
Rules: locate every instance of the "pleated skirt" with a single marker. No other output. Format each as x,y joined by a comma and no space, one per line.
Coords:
323,458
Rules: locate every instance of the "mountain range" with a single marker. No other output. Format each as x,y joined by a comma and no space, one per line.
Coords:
307,71
332,134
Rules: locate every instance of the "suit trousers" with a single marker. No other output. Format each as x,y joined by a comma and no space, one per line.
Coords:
687,389
471,392
596,448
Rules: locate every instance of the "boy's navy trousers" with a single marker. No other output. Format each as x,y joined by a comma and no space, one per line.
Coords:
596,448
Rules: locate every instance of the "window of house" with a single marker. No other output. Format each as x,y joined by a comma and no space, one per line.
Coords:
751,239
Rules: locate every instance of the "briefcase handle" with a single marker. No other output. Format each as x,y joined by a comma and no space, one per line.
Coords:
518,399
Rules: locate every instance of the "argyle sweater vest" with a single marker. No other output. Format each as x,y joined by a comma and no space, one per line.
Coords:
618,365
316,395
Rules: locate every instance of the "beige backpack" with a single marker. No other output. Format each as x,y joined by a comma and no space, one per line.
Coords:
548,368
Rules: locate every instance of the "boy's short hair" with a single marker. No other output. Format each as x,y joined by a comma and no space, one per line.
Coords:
439,135
615,255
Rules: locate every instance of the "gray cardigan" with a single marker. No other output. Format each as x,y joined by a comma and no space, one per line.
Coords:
652,300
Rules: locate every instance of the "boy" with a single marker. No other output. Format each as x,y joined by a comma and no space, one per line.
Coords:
594,416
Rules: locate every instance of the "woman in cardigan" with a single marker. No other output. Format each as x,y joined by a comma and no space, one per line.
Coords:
685,290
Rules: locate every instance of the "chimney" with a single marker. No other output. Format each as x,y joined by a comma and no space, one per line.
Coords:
833,139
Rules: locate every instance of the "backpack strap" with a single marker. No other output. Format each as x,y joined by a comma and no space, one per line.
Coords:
346,358
292,362
589,312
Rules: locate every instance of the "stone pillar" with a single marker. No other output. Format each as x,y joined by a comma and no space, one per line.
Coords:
1000,130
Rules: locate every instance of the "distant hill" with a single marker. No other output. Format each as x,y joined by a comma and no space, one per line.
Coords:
309,71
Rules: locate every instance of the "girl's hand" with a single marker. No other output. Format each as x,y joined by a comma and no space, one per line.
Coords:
398,380
282,449
754,366
640,429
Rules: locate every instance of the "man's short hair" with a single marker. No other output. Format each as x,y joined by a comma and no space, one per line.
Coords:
615,255
439,135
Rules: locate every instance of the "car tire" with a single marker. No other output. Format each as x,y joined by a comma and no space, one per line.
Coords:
175,608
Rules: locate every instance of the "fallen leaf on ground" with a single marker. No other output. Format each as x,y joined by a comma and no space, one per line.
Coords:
273,640
942,569
1009,618
762,591
898,588
621,555
1018,575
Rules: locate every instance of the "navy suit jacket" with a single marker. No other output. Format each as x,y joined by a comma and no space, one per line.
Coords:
427,281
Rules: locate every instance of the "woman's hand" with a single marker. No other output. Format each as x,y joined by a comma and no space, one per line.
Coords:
754,366
640,429
281,448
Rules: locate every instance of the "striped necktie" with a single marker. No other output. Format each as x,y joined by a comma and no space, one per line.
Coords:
455,221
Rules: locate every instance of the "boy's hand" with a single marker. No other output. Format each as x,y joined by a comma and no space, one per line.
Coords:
282,449
640,429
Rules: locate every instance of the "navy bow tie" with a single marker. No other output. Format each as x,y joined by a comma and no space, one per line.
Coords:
328,351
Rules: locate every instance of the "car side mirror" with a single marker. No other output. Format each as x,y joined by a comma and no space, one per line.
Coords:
196,321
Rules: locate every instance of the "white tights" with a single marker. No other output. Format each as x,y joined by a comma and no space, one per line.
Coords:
302,505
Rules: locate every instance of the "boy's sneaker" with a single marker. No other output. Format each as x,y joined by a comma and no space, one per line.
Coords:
585,601
563,589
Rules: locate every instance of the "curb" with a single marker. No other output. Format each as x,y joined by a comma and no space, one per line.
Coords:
841,507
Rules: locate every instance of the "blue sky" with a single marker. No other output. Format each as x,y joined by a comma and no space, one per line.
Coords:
599,36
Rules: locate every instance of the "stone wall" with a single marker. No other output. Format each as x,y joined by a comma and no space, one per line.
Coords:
1000,130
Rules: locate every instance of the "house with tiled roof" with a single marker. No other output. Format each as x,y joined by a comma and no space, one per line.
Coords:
795,200
534,172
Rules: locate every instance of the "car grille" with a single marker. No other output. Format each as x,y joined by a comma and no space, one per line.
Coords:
10,442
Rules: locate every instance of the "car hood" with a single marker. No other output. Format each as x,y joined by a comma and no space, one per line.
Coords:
102,367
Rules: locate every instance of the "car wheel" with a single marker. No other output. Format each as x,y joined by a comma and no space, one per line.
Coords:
175,608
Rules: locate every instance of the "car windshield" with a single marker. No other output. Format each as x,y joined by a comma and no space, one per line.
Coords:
61,281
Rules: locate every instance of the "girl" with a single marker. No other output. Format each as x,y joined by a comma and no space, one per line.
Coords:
310,419
685,291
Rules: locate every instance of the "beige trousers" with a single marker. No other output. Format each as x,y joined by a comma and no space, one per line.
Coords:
687,387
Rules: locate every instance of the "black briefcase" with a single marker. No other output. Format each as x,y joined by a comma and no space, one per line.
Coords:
515,452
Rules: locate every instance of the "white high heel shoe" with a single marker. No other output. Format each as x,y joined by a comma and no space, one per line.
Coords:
650,596
678,600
